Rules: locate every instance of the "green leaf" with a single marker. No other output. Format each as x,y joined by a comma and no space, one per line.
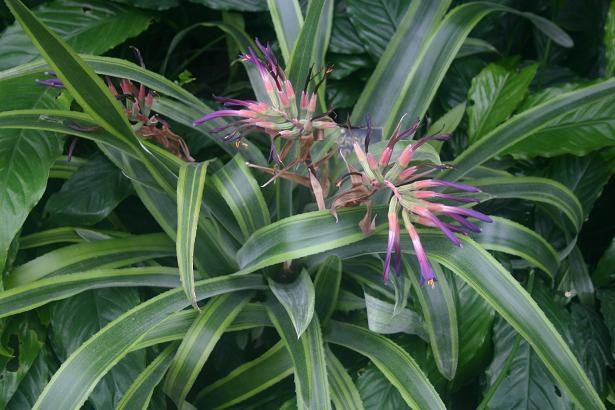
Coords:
376,22
139,394
22,342
67,234
381,318
605,269
585,176
32,295
234,5
287,21
524,125
26,157
495,94
504,235
472,46
377,391
343,391
419,22
327,287
248,379
575,279
607,308
77,203
151,4
190,186
75,319
199,342
90,27
528,384
235,183
394,362
308,357
609,41
344,37
298,300
533,189
34,381
94,358
312,41
439,310
100,254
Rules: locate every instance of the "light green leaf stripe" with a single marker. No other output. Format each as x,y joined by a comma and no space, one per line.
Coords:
523,125
439,311
93,359
247,380
308,356
504,235
35,294
199,342
536,189
243,196
287,21
111,253
344,393
190,186
393,361
139,394
297,298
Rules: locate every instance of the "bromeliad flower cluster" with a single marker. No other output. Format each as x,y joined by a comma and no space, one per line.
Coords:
411,193
418,197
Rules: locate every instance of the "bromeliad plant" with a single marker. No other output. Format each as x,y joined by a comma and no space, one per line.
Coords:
163,205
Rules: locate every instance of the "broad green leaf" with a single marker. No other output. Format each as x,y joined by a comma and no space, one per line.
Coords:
237,5
377,392
524,125
248,379
473,46
585,176
100,254
297,298
479,269
367,271
94,358
75,319
533,189
26,157
151,4
34,381
344,37
235,183
575,279
190,186
381,318
440,314
607,308
344,393
604,273
495,94
438,53
139,394
326,288
376,22
199,342
21,343
90,27
32,295
394,362
417,25
504,235
609,41
308,357
62,168
287,21
78,204
527,384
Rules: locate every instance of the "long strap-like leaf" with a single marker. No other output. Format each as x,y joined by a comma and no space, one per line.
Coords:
199,342
287,21
190,186
93,359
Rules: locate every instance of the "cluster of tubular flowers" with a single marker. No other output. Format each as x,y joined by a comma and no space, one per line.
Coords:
278,118
137,103
413,194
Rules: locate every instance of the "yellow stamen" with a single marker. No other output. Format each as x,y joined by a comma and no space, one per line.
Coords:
431,283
